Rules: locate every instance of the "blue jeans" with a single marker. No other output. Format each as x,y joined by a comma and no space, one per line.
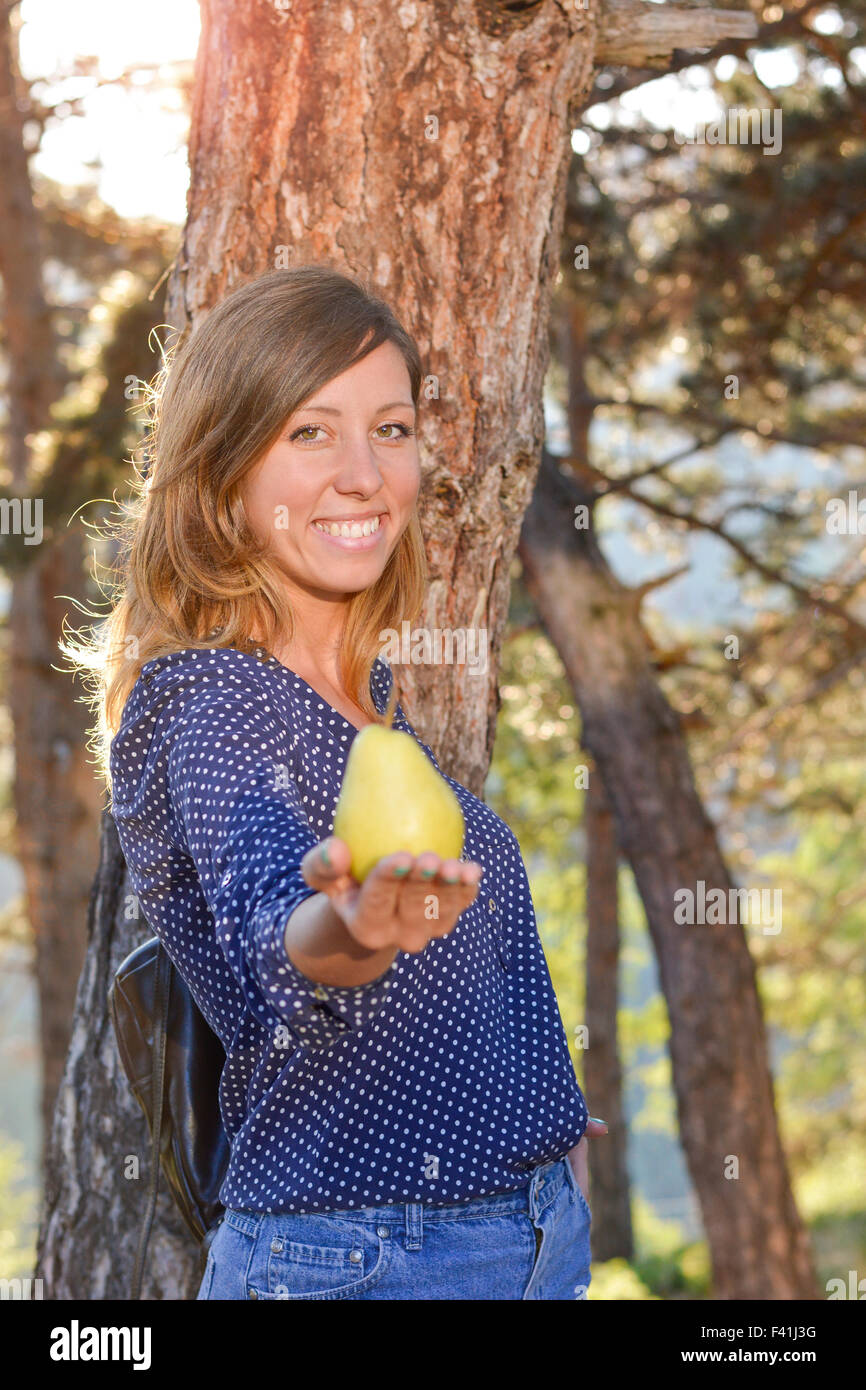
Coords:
528,1244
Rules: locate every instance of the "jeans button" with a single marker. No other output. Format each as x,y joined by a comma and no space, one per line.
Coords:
356,1256
276,1247
252,1294
383,1231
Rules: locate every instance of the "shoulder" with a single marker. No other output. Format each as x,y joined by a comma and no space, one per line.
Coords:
201,665
204,690
172,687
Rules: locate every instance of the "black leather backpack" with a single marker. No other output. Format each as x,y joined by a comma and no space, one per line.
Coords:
173,1062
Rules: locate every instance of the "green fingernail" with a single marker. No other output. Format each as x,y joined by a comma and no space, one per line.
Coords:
400,870
325,857
427,873
450,879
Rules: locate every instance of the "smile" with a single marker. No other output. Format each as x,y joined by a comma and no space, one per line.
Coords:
353,533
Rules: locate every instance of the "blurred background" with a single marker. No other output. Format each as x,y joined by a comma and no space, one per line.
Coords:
738,513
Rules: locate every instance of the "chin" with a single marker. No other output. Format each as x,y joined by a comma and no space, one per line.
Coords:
340,579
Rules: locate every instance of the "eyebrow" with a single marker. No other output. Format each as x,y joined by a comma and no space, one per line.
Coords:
332,410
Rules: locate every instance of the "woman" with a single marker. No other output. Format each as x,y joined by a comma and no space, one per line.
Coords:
402,1109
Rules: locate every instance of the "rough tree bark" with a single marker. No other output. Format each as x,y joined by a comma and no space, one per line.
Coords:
57,801
94,1197
718,1046
611,1208
432,158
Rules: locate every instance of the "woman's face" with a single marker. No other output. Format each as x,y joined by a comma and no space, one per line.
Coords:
336,491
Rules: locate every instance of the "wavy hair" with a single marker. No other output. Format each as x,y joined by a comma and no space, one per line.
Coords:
190,570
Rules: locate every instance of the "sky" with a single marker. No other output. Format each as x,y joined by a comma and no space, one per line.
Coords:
140,138
142,147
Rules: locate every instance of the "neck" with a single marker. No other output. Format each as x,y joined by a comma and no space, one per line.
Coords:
320,620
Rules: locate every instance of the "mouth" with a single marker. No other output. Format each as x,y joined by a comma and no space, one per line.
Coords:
352,532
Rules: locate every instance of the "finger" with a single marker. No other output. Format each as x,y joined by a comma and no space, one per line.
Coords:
326,866
442,895
378,901
425,868
471,873
437,901
447,897
449,871
595,1127
416,889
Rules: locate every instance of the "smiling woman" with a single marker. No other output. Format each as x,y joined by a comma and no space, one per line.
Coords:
398,1092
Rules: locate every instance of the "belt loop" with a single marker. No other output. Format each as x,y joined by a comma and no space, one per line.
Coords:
414,1226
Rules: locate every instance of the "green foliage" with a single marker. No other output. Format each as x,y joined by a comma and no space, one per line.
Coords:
617,1281
665,1266
17,1213
666,1262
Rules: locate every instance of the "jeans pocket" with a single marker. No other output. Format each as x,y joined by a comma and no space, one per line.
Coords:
562,1267
583,1202
316,1257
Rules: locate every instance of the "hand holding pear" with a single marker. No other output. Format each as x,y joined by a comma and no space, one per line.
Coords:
390,909
392,798
398,836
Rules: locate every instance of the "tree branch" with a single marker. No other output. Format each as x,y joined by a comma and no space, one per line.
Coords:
804,592
637,35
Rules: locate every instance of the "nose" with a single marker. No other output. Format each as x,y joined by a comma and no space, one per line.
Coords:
358,471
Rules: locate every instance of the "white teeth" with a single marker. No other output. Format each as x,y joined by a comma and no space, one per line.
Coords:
350,530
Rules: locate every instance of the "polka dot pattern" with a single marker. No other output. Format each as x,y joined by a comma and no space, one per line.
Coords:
448,1078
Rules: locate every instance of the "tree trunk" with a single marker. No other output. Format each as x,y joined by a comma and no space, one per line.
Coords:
611,1207
93,1210
718,1045
57,800
437,166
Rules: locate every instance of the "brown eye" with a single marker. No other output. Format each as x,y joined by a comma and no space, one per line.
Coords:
405,430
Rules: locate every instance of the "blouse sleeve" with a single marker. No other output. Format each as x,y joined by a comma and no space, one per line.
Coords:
241,820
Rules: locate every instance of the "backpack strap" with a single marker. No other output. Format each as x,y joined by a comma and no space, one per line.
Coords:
162,993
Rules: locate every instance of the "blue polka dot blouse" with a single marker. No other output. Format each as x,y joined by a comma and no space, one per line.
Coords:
448,1078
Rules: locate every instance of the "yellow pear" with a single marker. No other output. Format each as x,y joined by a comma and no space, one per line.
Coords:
392,798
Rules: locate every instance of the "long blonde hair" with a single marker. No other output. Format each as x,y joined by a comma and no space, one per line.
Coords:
191,572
